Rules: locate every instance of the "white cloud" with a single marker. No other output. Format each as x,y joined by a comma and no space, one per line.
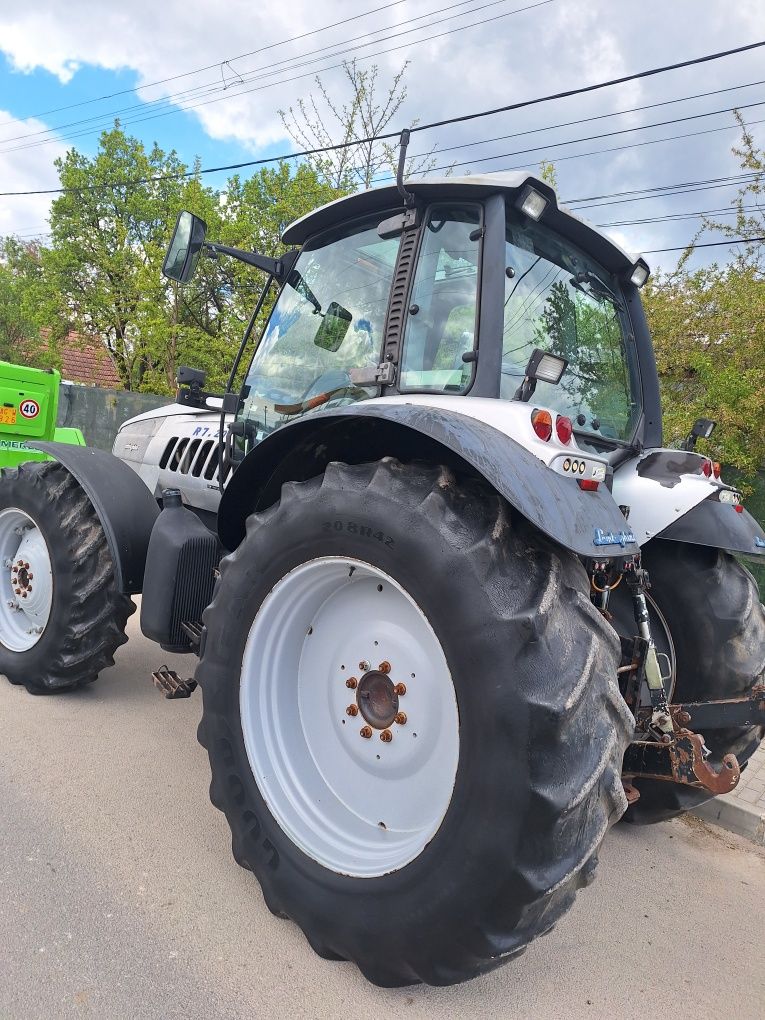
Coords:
23,170
554,47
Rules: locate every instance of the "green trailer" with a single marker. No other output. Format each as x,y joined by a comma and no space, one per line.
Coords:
28,409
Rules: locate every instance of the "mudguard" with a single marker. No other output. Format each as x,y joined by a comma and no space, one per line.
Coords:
719,525
669,497
588,523
125,507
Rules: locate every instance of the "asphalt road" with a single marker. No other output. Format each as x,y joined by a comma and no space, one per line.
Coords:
119,896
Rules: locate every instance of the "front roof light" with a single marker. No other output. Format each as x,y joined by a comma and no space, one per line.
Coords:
640,273
531,203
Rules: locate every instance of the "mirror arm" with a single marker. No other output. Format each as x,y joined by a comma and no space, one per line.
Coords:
274,267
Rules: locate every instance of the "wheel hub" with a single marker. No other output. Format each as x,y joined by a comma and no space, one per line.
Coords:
377,699
26,583
358,785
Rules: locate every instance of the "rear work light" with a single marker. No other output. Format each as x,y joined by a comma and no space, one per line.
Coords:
564,428
541,422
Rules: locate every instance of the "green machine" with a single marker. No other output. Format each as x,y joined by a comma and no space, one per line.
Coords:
28,409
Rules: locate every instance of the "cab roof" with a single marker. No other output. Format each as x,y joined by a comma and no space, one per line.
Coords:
435,189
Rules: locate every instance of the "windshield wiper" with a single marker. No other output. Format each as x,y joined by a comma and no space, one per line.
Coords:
598,289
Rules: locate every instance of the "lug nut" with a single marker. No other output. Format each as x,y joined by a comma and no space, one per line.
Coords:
400,689
401,719
351,682
384,667
366,732
352,710
30,577
23,594
363,666
17,591
386,736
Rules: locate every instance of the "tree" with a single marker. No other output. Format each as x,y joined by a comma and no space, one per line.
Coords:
708,328
320,121
110,231
23,301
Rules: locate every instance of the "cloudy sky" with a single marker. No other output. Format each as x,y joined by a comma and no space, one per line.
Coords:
209,84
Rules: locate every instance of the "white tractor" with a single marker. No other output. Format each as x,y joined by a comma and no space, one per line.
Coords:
456,607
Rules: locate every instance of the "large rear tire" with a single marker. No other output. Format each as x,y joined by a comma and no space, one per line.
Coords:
438,864
62,615
712,608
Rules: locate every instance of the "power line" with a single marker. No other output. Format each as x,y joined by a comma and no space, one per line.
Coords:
605,134
232,94
676,217
209,67
417,128
273,69
603,116
708,244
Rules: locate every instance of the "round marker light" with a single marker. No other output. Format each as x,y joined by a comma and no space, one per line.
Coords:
582,466
567,465
564,428
541,422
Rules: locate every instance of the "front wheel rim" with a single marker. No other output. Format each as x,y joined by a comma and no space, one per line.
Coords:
349,716
26,581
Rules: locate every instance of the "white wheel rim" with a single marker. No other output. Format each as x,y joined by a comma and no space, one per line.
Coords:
27,581
359,806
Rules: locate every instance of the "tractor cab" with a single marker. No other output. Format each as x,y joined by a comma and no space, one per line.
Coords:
454,298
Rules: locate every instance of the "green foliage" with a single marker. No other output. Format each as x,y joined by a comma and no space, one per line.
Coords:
708,329
100,276
23,301
709,333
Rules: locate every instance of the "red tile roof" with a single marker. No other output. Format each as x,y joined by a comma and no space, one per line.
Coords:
83,361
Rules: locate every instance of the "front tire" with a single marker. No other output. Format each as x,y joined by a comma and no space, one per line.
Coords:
491,825
62,615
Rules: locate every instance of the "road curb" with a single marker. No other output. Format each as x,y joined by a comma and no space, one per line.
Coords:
732,814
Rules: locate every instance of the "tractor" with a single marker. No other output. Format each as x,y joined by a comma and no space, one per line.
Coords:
457,609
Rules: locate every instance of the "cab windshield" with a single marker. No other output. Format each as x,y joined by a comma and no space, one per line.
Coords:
560,300
328,319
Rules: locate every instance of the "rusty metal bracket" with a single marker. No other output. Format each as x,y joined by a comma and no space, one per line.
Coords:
171,685
680,760
717,715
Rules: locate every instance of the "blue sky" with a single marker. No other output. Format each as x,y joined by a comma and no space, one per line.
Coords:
54,55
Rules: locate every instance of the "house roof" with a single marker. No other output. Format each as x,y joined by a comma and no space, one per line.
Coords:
88,363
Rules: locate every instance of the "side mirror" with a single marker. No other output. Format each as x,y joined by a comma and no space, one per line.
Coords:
702,429
334,327
185,246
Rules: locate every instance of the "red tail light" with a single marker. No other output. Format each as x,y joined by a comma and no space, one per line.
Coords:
706,467
541,422
564,428
738,508
716,469
588,484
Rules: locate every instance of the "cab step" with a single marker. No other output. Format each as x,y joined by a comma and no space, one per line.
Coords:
171,685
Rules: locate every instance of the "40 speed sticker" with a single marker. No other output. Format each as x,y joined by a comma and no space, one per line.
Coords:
29,408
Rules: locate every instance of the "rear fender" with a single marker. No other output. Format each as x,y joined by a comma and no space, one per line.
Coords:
588,523
125,507
670,498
